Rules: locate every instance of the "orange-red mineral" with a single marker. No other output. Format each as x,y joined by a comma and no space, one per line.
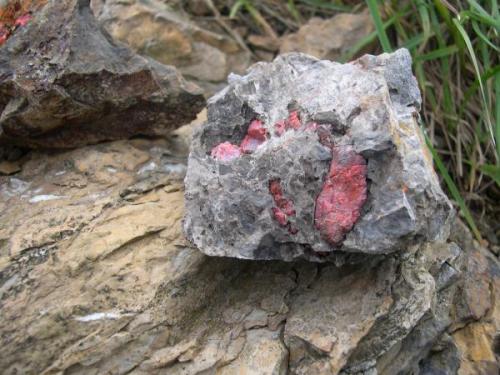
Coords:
339,204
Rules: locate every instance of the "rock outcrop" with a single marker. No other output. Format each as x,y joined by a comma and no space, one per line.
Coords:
303,158
96,277
65,83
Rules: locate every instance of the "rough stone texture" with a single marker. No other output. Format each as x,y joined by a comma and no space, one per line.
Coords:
15,15
328,38
345,146
65,83
97,278
152,28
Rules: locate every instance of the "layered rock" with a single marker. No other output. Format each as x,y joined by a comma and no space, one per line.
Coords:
203,53
328,38
65,83
96,277
303,158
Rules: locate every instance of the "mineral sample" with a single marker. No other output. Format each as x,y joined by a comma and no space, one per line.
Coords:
64,82
303,158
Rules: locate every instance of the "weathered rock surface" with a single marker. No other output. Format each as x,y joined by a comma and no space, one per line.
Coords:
96,277
64,83
152,28
303,158
328,38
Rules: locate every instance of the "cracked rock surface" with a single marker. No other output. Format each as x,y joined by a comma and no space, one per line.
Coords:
340,147
64,83
96,277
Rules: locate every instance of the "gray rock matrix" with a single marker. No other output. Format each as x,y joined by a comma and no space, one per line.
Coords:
371,104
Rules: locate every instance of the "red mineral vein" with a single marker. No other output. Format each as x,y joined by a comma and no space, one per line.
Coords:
6,28
344,191
4,34
256,135
284,206
15,14
23,20
311,126
225,151
293,120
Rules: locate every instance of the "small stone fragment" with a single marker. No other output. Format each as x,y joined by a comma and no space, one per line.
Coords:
9,167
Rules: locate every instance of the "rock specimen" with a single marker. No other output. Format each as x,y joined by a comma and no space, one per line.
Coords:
65,83
303,158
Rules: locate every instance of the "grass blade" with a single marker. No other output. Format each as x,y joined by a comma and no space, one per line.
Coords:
468,43
415,41
438,53
235,8
293,11
485,39
326,5
379,26
452,187
492,171
483,15
497,112
425,19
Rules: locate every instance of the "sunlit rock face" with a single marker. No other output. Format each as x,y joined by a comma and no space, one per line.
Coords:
304,158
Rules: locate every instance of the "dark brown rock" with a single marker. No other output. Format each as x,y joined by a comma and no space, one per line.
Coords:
64,82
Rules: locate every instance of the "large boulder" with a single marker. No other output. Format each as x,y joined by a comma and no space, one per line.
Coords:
64,83
304,158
